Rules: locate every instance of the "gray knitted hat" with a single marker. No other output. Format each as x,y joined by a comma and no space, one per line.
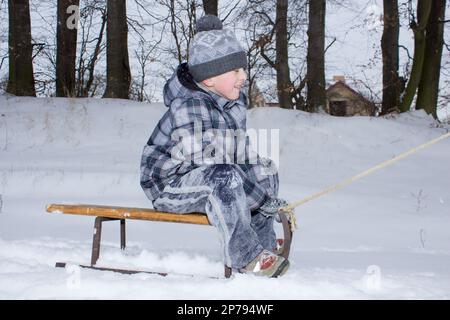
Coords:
214,50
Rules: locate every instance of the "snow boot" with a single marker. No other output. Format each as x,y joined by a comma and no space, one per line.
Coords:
267,264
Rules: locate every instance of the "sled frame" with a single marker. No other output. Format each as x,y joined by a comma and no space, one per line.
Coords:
109,213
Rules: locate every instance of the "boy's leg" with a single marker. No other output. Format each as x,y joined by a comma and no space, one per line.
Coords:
263,226
218,191
266,175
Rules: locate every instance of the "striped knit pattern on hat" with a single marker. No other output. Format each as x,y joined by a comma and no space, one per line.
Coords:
214,50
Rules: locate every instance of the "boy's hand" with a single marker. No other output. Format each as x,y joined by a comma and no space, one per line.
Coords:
271,207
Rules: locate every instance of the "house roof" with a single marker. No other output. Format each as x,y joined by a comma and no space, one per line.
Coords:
347,87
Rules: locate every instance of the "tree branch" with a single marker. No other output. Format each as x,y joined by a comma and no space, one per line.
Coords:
264,14
270,62
231,10
332,42
446,46
407,51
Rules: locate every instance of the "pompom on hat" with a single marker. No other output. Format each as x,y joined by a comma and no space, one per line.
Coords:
214,50
207,23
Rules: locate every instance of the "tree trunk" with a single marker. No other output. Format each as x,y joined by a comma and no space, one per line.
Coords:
284,85
66,39
423,13
389,48
315,75
427,95
210,7
21,78
118,76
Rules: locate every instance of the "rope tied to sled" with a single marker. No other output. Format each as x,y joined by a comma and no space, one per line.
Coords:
289,209
290,214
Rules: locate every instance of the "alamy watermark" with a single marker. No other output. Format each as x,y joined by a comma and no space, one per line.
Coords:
74,18
216,146
73,281
373,278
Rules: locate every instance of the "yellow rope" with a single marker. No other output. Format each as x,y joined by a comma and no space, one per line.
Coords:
289,209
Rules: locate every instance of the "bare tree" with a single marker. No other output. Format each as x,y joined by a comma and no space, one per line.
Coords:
118,73
277,28
182,18
254,66
66,38
145,55
419,29
390,53
277,40
284,84
85,72
427,95
315,77
21,78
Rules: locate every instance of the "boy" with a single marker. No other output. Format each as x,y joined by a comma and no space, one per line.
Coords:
189,166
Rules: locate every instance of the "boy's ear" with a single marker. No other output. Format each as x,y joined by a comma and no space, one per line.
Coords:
208,82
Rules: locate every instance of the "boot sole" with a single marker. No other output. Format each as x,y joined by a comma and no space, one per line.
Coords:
284,266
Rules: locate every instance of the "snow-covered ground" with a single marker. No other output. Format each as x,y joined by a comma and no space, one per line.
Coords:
386,236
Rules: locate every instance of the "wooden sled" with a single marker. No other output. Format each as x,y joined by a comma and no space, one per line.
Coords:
109,213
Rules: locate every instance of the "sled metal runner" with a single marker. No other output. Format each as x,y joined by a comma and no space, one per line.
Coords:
105,214
130,272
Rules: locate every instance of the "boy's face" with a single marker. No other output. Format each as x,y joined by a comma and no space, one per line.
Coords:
228,84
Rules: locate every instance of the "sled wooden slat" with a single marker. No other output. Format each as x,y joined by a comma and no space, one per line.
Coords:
128,213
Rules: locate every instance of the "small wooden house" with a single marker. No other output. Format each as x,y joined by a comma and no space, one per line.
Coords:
343,101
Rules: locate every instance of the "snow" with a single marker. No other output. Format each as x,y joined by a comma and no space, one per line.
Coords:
386,236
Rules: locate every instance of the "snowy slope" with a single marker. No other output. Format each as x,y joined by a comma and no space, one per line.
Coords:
386,236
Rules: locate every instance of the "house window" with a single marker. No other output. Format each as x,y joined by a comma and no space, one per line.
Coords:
338,108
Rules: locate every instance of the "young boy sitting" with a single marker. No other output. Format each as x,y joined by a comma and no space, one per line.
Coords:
188,165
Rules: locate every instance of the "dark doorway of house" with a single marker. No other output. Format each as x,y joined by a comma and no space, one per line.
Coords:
338,108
